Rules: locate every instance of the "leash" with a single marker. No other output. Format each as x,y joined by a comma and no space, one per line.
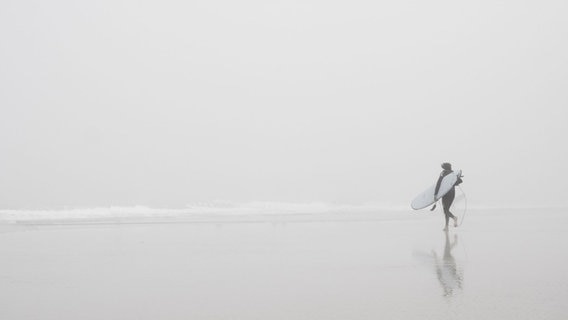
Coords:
465,207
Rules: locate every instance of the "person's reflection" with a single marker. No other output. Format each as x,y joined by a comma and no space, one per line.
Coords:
449,275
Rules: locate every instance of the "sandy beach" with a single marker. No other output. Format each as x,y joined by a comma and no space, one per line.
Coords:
500,264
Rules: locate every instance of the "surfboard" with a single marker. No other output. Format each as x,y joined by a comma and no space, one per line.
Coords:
426,198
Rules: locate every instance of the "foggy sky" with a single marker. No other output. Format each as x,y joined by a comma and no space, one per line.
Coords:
165,103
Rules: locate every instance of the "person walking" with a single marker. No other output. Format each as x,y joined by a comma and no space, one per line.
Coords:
448,198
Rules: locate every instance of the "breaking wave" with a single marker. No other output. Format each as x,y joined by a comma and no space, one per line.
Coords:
191,212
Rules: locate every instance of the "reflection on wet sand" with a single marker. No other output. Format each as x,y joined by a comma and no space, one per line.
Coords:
447,271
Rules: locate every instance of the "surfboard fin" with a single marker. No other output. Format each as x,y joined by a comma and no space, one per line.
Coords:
433,207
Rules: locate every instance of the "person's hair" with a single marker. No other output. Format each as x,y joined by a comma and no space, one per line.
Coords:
447,166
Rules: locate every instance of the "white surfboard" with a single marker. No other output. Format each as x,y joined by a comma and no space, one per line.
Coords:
426,198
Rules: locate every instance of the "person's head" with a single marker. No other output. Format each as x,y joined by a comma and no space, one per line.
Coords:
447,166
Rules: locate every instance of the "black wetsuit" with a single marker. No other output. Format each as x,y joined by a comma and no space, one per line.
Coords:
448,198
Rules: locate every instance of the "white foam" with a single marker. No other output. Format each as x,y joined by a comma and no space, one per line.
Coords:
119,213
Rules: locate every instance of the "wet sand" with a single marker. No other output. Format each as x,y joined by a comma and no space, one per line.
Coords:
500,264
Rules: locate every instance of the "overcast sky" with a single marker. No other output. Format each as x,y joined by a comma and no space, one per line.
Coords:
165,103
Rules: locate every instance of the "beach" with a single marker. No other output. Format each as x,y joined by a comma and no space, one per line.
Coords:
499,264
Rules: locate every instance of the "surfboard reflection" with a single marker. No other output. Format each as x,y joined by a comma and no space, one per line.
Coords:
447,271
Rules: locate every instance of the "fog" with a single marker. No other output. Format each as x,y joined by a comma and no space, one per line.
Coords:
165,103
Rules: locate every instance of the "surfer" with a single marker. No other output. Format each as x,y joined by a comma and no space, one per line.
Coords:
448,198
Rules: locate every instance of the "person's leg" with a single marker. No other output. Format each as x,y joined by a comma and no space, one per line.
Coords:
447,201
449,215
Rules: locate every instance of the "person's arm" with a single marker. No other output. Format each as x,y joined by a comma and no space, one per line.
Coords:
459,181
438,185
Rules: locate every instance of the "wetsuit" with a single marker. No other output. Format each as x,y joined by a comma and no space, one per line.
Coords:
448,198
